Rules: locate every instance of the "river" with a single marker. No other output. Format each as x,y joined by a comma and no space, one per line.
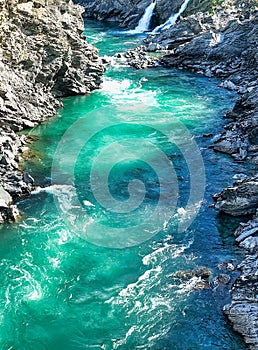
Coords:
61,289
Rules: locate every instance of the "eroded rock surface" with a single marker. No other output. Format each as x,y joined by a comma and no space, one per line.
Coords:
225,45
128,13
243,310
222,45
240,199
43,55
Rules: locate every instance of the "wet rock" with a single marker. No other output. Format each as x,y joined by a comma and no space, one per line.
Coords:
222,279
243,310
240,199
226,266
195,279
136,58
201,271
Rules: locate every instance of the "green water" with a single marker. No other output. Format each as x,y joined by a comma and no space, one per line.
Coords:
58,291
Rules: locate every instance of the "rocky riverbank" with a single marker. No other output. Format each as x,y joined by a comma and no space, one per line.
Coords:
43,56
224,45
242,199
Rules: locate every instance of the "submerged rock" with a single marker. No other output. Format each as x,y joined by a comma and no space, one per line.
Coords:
200,271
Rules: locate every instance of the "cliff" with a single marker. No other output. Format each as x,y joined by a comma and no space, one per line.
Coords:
43,55
128,13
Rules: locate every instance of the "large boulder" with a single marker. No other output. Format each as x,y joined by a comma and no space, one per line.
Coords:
240,199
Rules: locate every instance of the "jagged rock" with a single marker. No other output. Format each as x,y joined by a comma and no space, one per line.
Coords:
43,55
222,279
240,138
137,58
201,271
241,199
128,13
243,310
247,235
226,266
5,198
194,279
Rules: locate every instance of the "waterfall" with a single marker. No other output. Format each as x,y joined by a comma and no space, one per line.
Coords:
172,19
144,22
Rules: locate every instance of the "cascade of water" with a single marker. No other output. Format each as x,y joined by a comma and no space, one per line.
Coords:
172,19
144,22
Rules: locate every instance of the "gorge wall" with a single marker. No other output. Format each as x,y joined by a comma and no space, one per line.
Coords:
128,13
43,55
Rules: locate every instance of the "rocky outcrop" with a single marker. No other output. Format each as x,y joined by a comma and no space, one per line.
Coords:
243,310
221,45
136,58
43,55
128,13
240,138
240,199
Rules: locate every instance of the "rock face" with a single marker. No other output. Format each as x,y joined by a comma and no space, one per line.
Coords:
243,310
240,138
240,199
221,45
128,13
43,55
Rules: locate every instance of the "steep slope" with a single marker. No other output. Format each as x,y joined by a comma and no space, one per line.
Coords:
43,55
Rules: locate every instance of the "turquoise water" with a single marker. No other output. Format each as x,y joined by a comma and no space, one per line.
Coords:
59,291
